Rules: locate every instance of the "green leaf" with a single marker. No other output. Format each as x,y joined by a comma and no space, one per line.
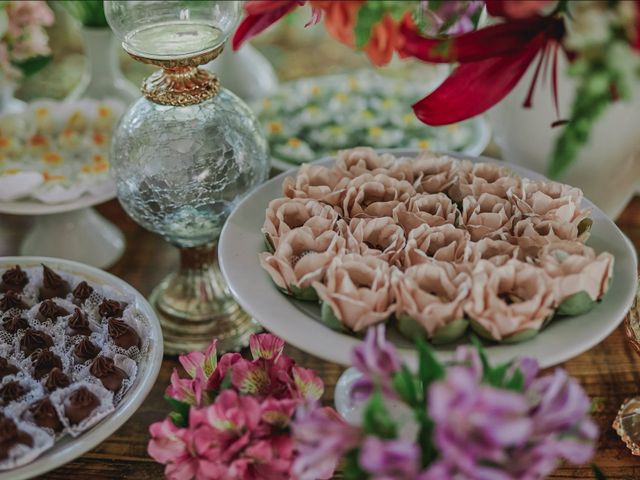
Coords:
351,469
599,474
226,383
33,64
516,382
486,366
408,387
369,14
376,419
496,376
429,368
180,414
178,419
576,304
425,437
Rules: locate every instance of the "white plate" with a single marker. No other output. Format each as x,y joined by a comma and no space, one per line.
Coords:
296,322
34,207
474,149
69,448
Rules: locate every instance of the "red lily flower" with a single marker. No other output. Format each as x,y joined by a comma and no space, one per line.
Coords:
261,14
492,61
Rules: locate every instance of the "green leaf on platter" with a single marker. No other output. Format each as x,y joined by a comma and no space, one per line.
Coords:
307,294
33,64
576,304
369,14
429,368
450,332
408,387
329,318
376,419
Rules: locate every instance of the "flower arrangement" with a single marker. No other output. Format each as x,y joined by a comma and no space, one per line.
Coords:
463,420
434,245
231,417
24,45
601,40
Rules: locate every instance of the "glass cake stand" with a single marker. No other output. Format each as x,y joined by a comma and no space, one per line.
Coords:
183,156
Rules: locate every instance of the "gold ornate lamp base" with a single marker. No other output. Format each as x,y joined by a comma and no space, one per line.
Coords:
194,306
627,422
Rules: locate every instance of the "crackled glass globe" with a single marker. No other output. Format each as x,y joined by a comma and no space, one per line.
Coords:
181,170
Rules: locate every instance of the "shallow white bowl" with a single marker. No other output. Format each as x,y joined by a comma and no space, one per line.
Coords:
298,322
69,448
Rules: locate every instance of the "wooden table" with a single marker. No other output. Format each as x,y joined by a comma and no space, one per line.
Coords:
610,372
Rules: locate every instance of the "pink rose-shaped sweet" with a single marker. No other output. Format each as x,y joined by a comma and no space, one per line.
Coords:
356,292
552,201
316,182
433,173
487,216
511,302
445,243
575,268
354,162
533,233
300,259
285,214
482,178
497,252
380,237
430,298
374,196
432,209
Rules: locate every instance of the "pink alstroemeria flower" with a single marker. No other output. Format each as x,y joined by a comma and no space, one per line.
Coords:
206,362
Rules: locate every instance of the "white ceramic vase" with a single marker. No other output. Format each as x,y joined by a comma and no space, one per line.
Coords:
102,77
246,72
607,168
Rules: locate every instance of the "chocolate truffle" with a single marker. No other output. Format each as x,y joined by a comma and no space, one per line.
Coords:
12,300
82,291
111,308
79,405
106,371
13,280
33,340
122,334
11,391
78,324
43,361
85,350
15,323
7,368
50,310
56,379
10,436
45,415
53,285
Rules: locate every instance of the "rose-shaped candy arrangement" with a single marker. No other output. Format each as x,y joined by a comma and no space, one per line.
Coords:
433,244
